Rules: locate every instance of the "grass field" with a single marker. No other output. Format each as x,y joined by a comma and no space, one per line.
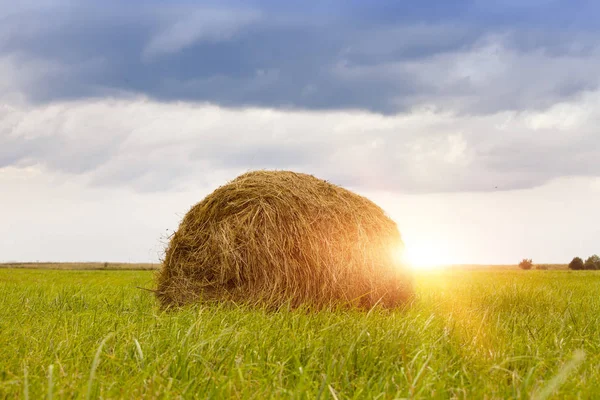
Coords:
470,334
82,266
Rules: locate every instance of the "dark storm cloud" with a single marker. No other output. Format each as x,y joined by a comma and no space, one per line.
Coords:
330,55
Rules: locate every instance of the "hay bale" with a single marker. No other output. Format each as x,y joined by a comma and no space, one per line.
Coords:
278,237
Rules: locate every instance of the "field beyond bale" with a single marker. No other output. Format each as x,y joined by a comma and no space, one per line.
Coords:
471,334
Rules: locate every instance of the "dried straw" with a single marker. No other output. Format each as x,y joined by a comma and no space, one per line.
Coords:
272,238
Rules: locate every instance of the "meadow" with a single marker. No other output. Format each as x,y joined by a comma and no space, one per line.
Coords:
469,334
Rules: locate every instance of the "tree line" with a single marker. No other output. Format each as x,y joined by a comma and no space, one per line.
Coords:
591,263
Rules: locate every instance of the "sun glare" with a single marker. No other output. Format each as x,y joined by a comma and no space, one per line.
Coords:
423,257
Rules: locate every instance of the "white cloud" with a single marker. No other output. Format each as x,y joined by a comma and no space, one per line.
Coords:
154,146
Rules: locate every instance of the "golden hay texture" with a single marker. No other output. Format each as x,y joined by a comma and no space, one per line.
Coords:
272,238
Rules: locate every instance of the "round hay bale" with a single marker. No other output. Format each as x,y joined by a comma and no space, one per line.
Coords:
277,237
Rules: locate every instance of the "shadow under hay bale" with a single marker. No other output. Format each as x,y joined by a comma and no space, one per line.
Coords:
271,238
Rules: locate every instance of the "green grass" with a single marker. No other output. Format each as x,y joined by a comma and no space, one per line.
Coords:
470,334
81,265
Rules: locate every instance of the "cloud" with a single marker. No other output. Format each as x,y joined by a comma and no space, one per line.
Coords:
153,146
212,25
388,96
385,57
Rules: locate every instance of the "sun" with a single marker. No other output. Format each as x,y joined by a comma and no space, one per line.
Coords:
423,256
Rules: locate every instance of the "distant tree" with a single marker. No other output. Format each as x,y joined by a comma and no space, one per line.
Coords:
593,262
542,267
526,264
576,264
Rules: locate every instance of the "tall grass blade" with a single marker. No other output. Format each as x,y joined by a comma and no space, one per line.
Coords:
95,364
50,383
25,384
140,353
561,376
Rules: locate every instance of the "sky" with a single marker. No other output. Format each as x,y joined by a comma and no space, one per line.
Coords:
475,125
